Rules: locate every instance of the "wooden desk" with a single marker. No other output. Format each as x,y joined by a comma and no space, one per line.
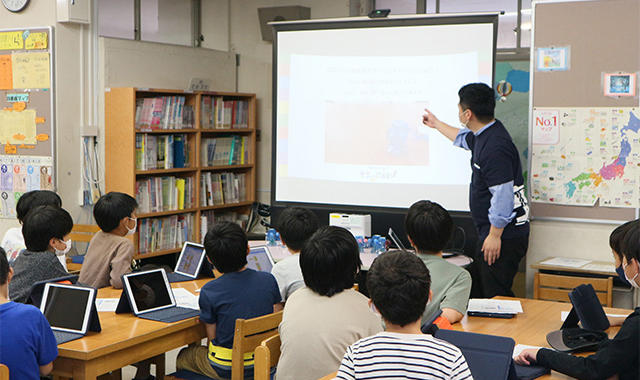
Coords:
610,271
530,327
125,340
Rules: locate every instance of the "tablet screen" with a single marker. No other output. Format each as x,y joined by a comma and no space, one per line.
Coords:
190,260
67,307
259,259
149,290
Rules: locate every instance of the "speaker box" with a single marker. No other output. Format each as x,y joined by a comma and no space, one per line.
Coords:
290,13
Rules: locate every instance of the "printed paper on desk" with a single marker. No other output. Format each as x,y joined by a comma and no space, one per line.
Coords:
565,314
185,298
107,304
610,268
566,262
485,305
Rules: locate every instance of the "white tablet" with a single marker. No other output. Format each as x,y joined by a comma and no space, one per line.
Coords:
67,307
148,291
190,260
259,258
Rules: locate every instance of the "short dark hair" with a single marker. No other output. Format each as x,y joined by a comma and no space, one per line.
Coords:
226,246
296,225
617,236
44,223
480,99
4,267
429,226
330,260
631,243
36,198
111,208
399,284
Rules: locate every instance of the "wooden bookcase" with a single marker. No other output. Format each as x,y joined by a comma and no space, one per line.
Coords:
120,154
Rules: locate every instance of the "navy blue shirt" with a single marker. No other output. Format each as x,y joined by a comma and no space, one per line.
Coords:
494,161
246,294
26,341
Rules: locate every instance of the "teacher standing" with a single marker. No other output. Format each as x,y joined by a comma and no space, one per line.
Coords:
497,201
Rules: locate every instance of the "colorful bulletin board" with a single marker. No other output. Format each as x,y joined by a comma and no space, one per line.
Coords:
26,114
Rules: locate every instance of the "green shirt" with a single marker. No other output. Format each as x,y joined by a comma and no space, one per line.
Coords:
450,285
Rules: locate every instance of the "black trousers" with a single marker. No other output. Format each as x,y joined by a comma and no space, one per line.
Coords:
497,279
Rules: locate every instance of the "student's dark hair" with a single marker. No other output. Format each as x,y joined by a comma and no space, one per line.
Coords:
398,284
226,246
631,243
111,208
296,225
4,267
429,226
330,260
480,99
36,198
617,236
44,223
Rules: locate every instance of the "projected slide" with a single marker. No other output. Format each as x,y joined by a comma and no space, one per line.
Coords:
349,113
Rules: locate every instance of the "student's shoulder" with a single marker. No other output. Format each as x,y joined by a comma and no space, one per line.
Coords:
286,263
24,313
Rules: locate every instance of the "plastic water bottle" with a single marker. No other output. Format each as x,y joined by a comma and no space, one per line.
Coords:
270,237
278,240
360,240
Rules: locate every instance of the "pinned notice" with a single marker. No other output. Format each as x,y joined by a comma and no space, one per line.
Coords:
546,127
36,41
6,72
11,41
31,70
18,127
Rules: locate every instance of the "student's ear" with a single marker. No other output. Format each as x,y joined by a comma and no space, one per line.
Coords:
430,295
248,249
10,275
55,243
411,242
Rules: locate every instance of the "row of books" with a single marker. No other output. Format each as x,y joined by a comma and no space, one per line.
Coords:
211,217
168,193
158,234
222,188
218,113
161,152
229,150
164,112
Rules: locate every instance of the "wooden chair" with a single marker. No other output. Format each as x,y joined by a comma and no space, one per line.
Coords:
248,335
4,372
266,356
555,287
83,232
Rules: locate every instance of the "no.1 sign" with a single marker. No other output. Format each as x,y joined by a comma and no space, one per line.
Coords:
546,127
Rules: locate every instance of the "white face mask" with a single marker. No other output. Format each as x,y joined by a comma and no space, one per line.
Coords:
632,281
133,230
66,249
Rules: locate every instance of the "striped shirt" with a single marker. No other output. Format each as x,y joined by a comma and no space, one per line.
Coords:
403,356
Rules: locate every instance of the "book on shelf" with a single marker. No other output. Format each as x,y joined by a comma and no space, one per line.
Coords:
222,188
158,234
227,150
211,217
157,194
161,152
164,112
220,113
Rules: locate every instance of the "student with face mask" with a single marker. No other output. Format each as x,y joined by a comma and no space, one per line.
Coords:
110,253
616,358
46,234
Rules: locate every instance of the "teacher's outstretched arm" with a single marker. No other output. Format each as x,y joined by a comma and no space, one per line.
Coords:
430,120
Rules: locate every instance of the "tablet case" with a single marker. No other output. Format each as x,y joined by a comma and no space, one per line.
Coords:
37,289
586,309
575,339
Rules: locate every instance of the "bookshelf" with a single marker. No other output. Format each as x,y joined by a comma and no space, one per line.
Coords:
184,156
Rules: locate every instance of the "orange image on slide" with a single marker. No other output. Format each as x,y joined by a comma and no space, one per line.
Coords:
375,134
42,137
19,136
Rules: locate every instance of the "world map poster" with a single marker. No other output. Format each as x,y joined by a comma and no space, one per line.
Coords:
582,155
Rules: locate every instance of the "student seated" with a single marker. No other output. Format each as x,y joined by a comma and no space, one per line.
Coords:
321,320
399,283
429,228
616,358
239,293
46,234
13,241
295,225
27,344
110,253
615,242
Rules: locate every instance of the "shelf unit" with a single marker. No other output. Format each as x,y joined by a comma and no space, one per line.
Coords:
121,173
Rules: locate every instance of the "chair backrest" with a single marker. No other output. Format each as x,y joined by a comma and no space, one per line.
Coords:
4,372
556,287
83,232
248,335
266,357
